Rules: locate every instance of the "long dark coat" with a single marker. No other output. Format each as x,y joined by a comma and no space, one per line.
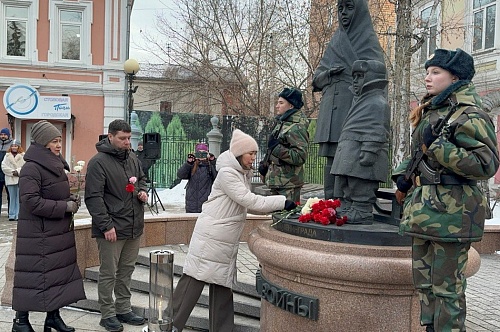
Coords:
199,185
46,275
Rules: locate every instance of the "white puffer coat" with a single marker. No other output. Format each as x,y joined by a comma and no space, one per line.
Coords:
214,245
12,163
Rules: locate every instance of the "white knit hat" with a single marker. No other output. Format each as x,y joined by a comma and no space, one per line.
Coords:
242,143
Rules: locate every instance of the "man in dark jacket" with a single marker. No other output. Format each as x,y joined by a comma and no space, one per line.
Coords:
115,193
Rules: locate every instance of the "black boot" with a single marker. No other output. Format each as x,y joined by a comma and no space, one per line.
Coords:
54,321
22,323
429,328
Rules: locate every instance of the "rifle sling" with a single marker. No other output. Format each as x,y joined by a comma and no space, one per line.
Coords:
446,179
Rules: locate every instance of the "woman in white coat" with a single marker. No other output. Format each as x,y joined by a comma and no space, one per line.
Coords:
214,245
11,166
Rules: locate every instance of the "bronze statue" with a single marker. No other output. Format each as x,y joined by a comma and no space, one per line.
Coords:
362,158
354,39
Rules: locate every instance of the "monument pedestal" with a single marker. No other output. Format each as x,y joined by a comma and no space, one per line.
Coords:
357,287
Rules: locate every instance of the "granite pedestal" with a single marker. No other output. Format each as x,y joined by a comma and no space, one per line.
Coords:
352,286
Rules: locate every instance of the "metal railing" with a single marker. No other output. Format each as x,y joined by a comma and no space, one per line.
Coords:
174,151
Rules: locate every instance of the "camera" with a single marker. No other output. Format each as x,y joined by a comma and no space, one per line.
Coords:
201,155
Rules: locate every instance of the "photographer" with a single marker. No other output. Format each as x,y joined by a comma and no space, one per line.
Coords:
199,169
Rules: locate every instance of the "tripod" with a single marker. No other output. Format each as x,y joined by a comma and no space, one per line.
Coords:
155,199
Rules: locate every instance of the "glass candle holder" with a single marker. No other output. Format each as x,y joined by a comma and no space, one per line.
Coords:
161,284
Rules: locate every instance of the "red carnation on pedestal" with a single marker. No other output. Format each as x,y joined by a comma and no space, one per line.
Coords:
324,212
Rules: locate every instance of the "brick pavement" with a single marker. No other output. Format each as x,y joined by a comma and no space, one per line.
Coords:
483,294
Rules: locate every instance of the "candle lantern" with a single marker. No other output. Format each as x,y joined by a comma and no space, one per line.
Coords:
161,284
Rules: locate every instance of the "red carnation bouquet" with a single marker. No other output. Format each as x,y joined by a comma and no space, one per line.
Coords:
316,210
322,211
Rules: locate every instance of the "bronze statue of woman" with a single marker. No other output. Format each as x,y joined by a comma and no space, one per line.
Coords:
355,39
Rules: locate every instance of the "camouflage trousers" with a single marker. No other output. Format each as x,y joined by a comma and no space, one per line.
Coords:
292,194
438,275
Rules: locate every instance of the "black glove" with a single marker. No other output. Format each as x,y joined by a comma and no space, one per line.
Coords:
428,136
273,142
263,168
71,206
191,158
403,184
290,205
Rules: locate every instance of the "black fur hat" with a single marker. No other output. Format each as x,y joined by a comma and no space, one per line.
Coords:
458,62
293,96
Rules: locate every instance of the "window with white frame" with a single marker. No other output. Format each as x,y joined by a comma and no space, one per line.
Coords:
70,24
429,25
484,24
18,28
71,32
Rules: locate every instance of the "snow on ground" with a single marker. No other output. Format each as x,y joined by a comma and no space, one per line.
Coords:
173,200
176,195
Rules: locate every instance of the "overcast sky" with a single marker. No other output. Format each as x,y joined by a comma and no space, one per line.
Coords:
143,19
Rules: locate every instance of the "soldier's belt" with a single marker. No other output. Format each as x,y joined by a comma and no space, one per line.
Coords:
445,179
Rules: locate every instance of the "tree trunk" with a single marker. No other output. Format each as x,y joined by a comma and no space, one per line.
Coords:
401,83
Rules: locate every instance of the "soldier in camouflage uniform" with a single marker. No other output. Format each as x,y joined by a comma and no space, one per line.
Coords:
445,210
287,147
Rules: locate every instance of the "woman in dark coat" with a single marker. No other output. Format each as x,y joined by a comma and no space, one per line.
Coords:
200,170
46,275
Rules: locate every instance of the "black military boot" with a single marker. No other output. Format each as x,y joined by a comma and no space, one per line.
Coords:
54,321
22,323
429,328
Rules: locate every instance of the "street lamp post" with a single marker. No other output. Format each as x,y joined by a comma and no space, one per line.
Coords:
131,67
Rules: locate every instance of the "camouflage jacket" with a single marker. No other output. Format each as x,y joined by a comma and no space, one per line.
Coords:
288,157
467,148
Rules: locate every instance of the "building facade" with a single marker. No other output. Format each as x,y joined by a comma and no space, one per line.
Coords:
62,61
